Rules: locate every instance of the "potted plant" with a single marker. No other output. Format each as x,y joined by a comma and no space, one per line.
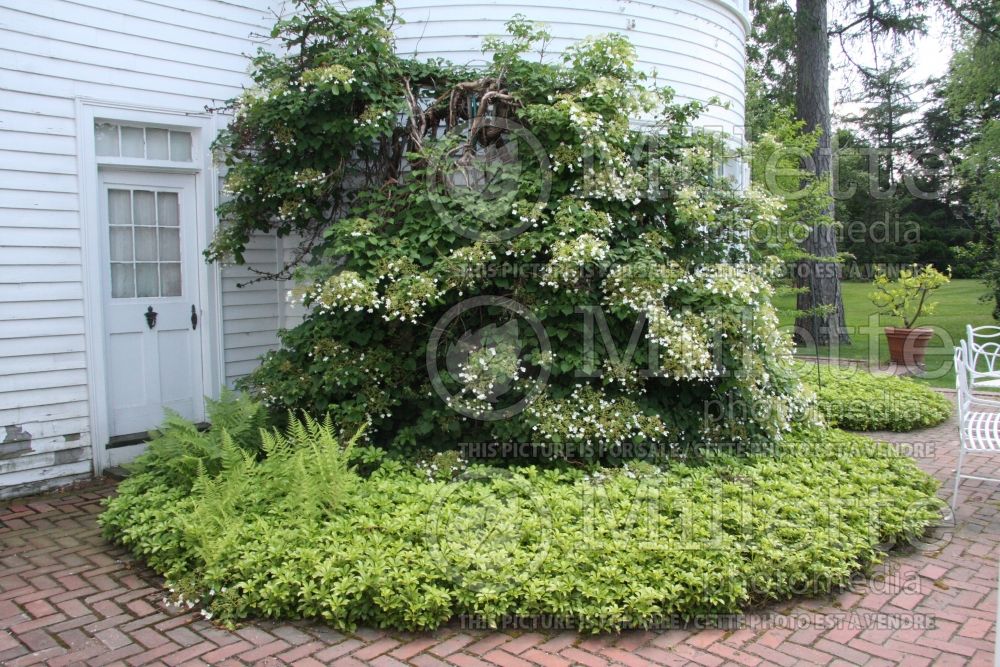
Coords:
906,298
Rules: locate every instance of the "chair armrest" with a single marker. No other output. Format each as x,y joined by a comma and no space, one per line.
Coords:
985,402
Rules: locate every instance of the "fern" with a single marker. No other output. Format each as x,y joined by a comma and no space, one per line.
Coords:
233,479
222,500
175,452
274,444
178,449
240,416
320,474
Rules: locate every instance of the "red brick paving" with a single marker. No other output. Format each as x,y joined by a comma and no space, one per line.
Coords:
69,598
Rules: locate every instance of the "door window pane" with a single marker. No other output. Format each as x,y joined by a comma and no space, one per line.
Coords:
133,142
166,203
180,146
157,146
147,279
170,244
170,279
120,207
106,139
121,244
145,244
122,281
143,207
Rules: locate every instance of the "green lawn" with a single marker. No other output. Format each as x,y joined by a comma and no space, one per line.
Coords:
958,305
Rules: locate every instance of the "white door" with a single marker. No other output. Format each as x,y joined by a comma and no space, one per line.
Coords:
152,312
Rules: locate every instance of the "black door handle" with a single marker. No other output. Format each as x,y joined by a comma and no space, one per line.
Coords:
194,317
151,317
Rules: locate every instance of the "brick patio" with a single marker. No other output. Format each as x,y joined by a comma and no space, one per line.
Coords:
69,598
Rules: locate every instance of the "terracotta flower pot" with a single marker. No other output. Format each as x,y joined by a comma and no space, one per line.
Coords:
907,346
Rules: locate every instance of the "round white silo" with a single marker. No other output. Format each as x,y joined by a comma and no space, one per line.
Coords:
697,47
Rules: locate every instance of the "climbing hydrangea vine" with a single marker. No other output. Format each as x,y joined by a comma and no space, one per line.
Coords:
538,250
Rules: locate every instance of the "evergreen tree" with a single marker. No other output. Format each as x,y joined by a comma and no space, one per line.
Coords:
886,117
971,99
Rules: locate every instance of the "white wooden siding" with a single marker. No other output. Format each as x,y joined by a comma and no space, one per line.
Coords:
252,314
149,53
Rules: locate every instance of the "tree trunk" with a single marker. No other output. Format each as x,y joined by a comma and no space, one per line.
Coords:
823,319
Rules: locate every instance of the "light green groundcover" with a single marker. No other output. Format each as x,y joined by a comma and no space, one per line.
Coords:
861,401
295,531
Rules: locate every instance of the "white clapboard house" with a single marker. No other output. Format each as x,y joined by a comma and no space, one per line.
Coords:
108,191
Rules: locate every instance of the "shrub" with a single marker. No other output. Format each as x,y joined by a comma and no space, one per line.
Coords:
299,534
905,297
592,268
860,401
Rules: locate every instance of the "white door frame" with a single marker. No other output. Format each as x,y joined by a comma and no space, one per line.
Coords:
203,129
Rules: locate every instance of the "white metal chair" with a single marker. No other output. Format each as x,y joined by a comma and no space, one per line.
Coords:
984,362
983,359
978,429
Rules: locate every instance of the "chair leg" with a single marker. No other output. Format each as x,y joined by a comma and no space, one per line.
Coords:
958,477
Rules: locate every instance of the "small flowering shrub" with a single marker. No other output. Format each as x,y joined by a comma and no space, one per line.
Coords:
905,296
534,250
301,531
860,401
